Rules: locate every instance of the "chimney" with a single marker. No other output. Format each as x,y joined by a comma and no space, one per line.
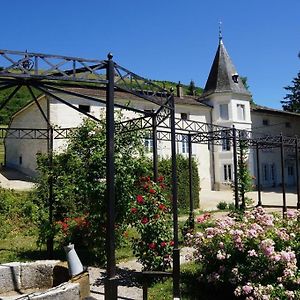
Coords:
179,90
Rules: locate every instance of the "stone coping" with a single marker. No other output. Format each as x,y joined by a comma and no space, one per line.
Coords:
41,280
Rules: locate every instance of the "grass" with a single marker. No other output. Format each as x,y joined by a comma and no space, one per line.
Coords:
20,245
190,287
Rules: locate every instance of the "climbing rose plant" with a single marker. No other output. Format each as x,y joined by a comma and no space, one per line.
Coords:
257,253
150,215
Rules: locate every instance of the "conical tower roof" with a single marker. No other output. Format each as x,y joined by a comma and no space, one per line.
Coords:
223,76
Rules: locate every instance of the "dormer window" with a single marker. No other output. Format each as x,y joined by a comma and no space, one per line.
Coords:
235,78
184,116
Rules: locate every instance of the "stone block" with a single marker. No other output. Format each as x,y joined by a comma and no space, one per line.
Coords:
38,274
84,283
10,277
65,291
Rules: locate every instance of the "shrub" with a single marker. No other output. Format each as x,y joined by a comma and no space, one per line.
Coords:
79,183
150,215
165,169
222,205
257,253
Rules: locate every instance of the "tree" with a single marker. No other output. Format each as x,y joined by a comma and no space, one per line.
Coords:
79,184
292,99
192,88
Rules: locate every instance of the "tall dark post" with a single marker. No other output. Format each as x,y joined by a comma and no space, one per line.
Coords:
258,175
297,172
50,184
176,257
190,176
243,204
110,282
282,175
235,169
154,139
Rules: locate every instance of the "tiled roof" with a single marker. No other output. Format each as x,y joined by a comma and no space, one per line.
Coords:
220,78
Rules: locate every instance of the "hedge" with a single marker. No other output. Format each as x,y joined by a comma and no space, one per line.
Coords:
165,169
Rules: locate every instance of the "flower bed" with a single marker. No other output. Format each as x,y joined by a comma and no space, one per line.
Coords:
257,254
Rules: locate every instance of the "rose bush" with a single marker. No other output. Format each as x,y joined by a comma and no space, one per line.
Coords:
73,230
150,215
256,253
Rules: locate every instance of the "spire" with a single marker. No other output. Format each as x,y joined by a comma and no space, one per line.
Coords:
220,32
223,76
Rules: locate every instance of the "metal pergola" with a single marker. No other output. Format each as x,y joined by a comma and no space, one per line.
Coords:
52,74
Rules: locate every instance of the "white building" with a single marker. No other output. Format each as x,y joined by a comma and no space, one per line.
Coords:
225,102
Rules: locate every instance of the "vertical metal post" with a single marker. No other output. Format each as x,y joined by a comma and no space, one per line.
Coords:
176,257
50,183
258,175
235,168
110,282
190,176
154,139
243,204
282,175
297,172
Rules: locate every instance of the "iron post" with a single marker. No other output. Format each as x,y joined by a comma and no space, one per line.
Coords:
176,254
154,139
110,282
258,175
235,168
190,176
297,172
51,194
282,175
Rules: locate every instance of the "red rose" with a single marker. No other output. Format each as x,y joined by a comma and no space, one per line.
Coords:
163,244
172,243
162,186
146,186
161,207
144,220
160,179
148,178
152,191
152,246
156,216
134,210
140,199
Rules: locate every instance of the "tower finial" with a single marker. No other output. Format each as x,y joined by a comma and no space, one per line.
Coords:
220,31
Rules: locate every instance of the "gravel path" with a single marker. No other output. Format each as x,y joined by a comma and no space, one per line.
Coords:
129,287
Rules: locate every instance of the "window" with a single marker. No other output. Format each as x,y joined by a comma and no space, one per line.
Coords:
20,160
287,124
227,173
224,111
265,122
84,108
148,143
290,171
184,116
240,111
265,169
225,142
273,173
185,144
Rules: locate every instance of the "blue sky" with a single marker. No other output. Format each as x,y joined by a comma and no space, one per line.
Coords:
166,40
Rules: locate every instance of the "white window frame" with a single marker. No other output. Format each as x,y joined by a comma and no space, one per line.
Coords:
224,111
227,172
185,144
148,144
241,112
